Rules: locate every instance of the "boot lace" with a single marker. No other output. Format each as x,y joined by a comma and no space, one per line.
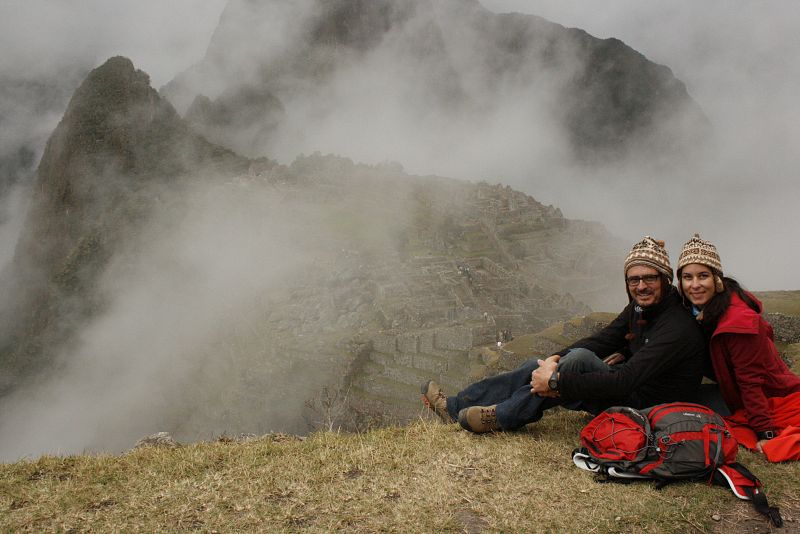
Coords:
488,416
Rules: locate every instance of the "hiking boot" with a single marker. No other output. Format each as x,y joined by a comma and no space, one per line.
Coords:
434,398
479,419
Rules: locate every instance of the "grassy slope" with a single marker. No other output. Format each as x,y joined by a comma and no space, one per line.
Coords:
422,478
786,302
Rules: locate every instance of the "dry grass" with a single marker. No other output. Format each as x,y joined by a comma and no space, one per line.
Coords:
786,302
424,477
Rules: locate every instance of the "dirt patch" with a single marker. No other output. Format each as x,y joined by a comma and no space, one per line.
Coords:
470,522
741,517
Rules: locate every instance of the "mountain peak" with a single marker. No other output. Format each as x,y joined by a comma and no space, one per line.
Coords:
117,141
431,61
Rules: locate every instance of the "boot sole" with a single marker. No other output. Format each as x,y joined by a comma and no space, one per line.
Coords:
423,391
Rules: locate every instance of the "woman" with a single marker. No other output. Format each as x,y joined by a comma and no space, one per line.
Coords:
754,381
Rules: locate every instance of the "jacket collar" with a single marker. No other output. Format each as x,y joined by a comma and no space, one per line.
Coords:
739,318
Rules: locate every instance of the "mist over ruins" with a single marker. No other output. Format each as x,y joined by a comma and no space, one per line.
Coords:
266,240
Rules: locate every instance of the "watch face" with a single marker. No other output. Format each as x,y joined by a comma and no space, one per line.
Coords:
553,382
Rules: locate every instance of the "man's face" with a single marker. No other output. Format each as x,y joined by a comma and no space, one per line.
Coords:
643,287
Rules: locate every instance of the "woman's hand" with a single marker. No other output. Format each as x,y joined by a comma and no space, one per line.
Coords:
614,359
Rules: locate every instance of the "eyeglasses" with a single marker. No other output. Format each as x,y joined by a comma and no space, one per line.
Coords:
649,279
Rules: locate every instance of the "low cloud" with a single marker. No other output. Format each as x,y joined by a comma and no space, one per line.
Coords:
185,322
741,63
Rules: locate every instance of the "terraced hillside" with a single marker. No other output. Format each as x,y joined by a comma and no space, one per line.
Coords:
191,289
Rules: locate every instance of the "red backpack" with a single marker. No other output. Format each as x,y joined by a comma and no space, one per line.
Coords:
668,443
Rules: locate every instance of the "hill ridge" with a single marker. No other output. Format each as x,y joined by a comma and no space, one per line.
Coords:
609,99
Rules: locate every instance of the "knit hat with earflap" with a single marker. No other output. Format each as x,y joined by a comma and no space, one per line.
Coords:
650,253
698,251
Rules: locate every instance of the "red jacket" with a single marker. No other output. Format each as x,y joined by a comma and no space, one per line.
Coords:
747,365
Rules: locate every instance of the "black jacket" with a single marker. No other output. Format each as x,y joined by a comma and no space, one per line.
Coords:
664,357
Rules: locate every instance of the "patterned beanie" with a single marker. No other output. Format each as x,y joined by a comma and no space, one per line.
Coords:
650,253
698,251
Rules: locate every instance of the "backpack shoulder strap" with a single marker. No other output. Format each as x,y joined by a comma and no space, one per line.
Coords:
745,485
582,460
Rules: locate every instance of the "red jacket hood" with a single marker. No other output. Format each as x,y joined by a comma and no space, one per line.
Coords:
739,318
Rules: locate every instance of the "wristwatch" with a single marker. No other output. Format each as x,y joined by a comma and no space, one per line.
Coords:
764,434
552,383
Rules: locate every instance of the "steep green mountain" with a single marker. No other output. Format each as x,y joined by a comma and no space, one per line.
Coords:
164,282
117,141
30,106
437,63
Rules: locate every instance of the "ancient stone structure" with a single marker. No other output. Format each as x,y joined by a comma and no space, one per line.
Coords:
786,327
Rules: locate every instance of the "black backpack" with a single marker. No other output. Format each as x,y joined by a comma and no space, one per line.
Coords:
668,443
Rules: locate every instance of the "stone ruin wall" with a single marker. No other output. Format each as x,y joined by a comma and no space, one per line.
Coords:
786,327
422,317
438,333
387,381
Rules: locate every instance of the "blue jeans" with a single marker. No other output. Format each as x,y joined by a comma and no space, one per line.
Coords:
511,391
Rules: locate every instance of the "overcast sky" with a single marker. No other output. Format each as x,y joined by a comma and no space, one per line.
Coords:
162,38
740,60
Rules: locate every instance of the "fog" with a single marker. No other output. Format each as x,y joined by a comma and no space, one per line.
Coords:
190,340
40,36
739,60
131,371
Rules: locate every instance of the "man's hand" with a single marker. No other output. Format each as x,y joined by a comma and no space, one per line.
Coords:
540,377
760,445
614,359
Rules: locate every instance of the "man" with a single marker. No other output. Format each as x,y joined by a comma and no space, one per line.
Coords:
650,354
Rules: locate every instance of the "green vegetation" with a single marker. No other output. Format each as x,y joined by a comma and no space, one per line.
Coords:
786,302
555,333
424,477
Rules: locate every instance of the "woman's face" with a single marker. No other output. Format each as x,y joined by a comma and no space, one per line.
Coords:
697,283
